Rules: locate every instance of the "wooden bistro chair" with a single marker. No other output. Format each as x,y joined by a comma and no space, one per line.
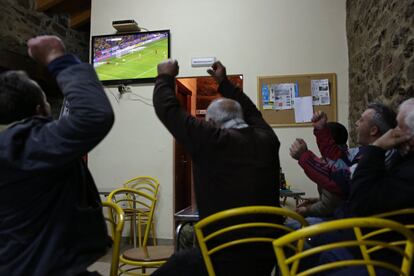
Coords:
150,186
140,258
250,224
114,216
404,216
364,237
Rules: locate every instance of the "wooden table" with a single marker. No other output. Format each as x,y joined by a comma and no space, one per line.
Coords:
294,193
106,191
183,217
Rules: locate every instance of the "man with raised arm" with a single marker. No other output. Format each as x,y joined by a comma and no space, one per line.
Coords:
235,163
328,201
334,171
51,219
380,185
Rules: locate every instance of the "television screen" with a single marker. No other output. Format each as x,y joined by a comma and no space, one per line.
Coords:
129,58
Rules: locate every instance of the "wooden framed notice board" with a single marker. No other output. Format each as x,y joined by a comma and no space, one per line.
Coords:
325,97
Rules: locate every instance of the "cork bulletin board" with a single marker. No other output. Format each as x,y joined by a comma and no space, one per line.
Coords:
303,87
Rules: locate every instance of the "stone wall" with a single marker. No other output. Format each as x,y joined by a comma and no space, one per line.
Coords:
19,21
380,47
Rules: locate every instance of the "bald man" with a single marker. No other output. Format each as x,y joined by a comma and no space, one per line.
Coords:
235,163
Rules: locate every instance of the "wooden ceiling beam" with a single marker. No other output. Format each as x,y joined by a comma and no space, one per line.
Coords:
79,18
44,5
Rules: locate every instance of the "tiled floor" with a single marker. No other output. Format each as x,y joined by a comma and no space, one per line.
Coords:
103,265
102,268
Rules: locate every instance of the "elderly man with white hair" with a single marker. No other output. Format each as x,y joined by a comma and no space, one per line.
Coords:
235,163
376,188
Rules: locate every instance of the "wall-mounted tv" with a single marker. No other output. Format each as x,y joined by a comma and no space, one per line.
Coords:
129,57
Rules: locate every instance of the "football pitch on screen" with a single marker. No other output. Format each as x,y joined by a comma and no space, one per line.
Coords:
138,64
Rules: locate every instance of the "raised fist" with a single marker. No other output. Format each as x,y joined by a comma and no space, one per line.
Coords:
298,148
218,71
319,119
168,67
44,49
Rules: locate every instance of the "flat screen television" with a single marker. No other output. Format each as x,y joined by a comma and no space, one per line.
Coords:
129,57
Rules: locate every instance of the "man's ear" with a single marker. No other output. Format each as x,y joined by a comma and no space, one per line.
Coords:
40,110
211,122
374,131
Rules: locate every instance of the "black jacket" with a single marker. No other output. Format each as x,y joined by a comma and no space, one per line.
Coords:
377,189
51,220
231,167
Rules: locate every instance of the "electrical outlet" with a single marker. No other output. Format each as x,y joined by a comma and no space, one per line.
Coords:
122,89
202,61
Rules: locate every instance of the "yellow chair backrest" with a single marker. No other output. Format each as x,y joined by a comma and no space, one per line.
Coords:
135,201
150,186
114,216
248,218
366,232
146,184
404,216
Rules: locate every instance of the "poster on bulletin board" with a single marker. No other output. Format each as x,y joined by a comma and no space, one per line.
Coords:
290,100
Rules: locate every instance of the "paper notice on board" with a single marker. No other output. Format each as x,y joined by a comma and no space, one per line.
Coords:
266,103
282,94
303,109
320,92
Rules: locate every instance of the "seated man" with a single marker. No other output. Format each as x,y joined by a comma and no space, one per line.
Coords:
235,163
51,219
334,171
327,202
377,188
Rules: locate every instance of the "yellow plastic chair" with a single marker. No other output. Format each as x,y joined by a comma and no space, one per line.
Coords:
148,185
114,216
403,216
143,257
265,217
400,216
367,240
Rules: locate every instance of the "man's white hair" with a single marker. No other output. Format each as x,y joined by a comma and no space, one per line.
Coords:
226,113
407,111
406,105
409,121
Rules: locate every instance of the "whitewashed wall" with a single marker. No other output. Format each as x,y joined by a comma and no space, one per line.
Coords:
253,38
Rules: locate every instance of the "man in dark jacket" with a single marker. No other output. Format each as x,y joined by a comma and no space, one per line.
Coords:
51,220
235,161
376,188
380,186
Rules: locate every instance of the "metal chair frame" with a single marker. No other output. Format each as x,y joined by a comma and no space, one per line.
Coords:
366,231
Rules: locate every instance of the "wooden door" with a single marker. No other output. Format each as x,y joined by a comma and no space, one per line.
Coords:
182,191
194,95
